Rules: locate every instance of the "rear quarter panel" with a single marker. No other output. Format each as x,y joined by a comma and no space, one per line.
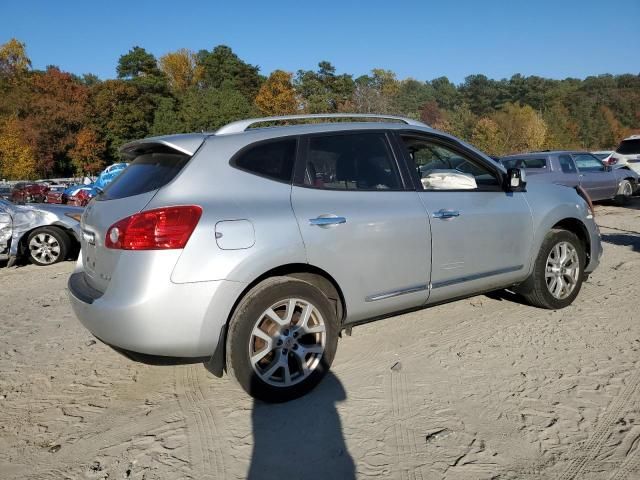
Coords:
226,193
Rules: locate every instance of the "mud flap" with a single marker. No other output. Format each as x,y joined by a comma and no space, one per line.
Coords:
216,364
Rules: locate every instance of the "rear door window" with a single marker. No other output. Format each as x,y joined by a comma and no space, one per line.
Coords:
272,159
354,161
149,170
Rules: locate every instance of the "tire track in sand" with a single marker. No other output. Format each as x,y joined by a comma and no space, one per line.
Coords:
587,452
205,452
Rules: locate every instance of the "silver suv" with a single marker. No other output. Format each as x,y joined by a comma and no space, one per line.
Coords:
256,247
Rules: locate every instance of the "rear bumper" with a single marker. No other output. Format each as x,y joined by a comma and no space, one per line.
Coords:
175,320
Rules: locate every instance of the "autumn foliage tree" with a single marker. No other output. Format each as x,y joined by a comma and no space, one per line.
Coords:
181,69
87,154
17,157
277,95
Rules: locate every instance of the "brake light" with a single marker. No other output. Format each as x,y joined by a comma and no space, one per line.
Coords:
612,160
159,229
583,193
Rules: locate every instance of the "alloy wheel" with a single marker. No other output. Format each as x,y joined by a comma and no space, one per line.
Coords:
562,270
287,342
45,248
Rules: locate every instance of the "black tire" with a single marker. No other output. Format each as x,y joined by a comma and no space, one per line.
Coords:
249,312
535,290
625,192
56,238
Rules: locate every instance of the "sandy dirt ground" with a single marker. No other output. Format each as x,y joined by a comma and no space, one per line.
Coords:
483,388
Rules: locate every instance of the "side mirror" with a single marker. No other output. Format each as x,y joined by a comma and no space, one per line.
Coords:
516,180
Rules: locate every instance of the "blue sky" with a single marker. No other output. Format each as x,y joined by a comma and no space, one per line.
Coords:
419,39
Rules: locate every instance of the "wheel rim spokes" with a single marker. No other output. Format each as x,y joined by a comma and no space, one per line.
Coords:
44,248
562,270
287,342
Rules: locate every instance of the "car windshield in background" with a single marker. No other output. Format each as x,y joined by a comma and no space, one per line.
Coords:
149,171
602,156
629,147
525,163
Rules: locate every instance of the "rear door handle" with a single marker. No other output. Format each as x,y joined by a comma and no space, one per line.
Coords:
445,214
326,221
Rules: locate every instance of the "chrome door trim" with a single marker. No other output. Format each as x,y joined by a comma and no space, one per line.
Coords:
395,293
477,276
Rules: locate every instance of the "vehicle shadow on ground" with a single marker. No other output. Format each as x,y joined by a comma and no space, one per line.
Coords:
301,439
501,295
623,239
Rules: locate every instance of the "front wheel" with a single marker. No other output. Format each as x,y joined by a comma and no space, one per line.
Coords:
281,339
558,272
47,245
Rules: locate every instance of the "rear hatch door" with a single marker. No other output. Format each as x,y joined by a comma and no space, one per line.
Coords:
153,164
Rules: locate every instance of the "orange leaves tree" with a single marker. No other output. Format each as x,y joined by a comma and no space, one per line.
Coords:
87,153
181,69
277,95
17,157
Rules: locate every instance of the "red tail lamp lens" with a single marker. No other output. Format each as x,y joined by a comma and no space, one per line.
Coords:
159,229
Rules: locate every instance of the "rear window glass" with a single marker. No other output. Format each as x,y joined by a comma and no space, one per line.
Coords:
273,159
525,163
629,147
150,170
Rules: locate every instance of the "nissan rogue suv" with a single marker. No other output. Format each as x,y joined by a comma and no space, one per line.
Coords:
255,247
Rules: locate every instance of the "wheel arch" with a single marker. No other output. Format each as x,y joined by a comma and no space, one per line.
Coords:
301,271
579,229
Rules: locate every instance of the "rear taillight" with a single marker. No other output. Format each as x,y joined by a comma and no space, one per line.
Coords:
583,193
612,160
159,229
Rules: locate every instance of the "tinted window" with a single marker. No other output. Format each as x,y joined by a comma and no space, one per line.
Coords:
440,168
351,162
629,147
274,159
525,163
566,164
588,163
150,170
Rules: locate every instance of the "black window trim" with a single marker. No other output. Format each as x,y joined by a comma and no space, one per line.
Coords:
249,146
303,151
457,148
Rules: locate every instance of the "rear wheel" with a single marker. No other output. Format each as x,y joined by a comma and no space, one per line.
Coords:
47,245
558,272
282,339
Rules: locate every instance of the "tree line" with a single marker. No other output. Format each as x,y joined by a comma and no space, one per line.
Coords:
57,123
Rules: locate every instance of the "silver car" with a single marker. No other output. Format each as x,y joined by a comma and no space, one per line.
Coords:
44,234
256,247
584,169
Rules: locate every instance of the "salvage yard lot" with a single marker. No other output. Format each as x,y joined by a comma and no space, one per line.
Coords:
477,389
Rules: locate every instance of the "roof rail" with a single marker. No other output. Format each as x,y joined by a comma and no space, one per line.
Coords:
242,125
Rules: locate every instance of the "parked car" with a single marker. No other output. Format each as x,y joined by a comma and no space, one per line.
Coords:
44,234
5,192
604,155
79,195
55,194
255,247
577,168
628,153
23,192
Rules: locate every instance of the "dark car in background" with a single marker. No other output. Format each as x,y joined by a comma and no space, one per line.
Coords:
29,192
56,194
574,168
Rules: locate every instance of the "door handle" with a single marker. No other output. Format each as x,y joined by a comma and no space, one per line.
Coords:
327,221
446,214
